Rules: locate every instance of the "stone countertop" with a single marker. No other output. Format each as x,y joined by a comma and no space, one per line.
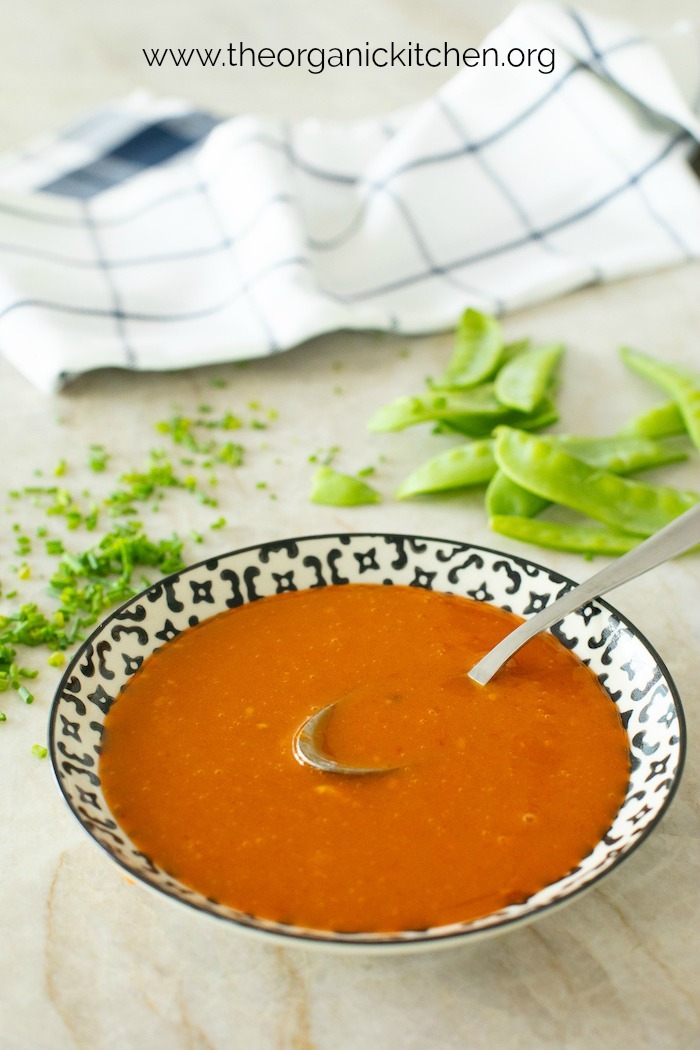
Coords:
89,960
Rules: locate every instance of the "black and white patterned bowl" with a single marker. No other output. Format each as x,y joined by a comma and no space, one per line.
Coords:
625,663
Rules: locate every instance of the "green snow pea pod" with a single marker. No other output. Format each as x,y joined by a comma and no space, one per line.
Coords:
579,539
508,352
659,421
340,490
478,351
505,498
620,455
475,412
682,384
623,454
524,381
471,464
542,465
473,426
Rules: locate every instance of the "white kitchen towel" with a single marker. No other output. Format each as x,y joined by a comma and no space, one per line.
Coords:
152,236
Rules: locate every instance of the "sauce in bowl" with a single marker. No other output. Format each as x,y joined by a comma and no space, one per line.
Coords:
499,791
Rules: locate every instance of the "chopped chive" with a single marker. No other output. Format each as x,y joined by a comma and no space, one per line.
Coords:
24,694
57,659
40,751
97,458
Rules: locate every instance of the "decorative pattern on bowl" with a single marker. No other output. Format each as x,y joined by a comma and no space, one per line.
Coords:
623,660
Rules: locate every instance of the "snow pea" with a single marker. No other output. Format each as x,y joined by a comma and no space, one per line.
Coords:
659,421
542,466
620,455
623,454
474,412
579,539
471,464
543,416
478,351
340,490
682,384
507,498
523,382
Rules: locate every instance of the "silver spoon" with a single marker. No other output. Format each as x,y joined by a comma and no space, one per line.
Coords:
676,538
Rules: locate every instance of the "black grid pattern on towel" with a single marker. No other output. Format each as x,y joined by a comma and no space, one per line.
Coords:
166,141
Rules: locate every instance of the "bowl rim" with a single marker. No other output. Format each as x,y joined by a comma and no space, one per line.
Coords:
398,941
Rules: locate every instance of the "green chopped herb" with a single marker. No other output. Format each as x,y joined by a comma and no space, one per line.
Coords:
230,422
57,659
230,453
220,524
40,751
24,694
24,545
60,469
3,716
98,458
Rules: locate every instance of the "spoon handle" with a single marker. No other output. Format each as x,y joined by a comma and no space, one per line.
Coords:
675,538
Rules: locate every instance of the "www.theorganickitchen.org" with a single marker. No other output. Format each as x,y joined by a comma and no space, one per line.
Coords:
319,59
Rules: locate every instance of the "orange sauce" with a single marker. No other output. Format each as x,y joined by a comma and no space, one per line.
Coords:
501,789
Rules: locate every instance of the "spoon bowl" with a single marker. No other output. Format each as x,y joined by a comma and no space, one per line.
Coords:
626,664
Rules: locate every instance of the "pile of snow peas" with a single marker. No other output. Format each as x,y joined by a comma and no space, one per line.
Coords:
499,395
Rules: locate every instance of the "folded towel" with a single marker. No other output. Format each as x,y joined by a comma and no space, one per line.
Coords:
153,236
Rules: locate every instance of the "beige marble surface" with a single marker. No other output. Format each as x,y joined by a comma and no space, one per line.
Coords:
89,961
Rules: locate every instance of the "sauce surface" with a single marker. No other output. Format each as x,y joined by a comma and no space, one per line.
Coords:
501,788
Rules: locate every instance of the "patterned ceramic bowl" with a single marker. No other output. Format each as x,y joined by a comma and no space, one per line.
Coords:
626,665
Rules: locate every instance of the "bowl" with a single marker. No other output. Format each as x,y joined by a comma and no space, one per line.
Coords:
625,663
